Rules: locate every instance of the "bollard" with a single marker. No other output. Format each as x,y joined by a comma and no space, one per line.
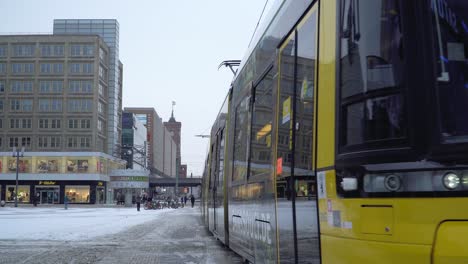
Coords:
65,202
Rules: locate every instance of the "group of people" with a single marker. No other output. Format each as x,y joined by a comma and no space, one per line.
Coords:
184,200
144,198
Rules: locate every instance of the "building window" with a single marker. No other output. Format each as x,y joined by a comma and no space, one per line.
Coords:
102,54
88,50
14,105
45,67
23,50
58,68
1,126
80,105
43,123
80,86
3,51
55,123
22,68
2,86
48,165
99,125
2,68
77,194
52,50
72,143
101,89
75,50
50,86
73,123
17,105
102,73
100,107
15,141
1,105
88,68
74,68
50,105
21,86
55,142
29,68
20,123
43,142
23,191
85,123
85,142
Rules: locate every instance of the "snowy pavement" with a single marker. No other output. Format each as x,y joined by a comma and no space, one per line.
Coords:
107,235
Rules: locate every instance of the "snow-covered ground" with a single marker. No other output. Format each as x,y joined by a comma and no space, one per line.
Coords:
74,224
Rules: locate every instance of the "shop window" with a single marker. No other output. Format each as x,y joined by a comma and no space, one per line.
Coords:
23,193
78,166
47,166
77,194
24,165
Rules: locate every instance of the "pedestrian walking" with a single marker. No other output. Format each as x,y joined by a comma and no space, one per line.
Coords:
185,199
35,199
192,200
138,201
65,202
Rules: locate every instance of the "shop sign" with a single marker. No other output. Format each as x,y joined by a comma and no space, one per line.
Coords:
129,178
100,184
47,182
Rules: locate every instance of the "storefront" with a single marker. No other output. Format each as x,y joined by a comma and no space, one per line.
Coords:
23,193
127,185
53,192
47,194
100,193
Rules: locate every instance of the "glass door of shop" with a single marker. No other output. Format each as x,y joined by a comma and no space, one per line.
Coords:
100,195
48,195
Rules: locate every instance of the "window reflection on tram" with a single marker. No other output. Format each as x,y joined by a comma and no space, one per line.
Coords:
372,58
297,209
450,33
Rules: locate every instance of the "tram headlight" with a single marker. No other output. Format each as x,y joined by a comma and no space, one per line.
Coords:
451,181
392,182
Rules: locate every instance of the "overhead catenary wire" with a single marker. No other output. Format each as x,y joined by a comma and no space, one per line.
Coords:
258,22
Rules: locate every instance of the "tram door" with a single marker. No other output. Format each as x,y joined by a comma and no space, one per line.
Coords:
297,223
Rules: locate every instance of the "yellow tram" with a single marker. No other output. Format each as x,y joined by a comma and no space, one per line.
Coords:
344,136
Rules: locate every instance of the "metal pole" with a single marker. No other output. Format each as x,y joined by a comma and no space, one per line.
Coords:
17,172
177,177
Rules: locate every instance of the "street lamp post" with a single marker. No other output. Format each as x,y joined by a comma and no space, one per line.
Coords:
17,154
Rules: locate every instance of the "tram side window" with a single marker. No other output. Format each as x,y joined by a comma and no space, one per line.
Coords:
371,72
262,117
450,33
241,140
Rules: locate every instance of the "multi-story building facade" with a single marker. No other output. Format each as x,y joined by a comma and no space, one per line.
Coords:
161,145
54,101
108,30
134,142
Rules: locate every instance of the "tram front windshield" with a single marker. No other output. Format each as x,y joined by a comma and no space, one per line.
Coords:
450,32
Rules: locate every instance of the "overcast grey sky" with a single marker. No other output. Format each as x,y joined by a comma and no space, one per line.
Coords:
170,51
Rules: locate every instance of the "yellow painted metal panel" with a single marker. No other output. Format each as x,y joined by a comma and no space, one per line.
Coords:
326,85
376,220
451,245
337,250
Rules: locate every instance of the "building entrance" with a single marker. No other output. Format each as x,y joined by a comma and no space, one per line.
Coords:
48,195
100,195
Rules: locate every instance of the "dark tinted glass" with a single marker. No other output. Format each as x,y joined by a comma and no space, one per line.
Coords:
371,83
241,139
451,37
260,160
